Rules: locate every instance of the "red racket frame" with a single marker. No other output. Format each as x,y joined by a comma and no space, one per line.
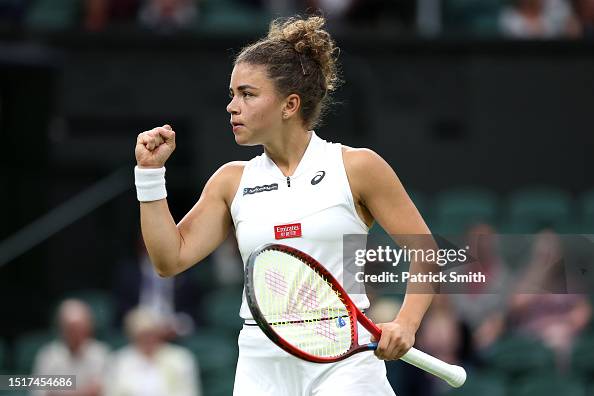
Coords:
355,315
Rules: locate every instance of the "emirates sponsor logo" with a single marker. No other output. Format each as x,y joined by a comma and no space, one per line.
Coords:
287,231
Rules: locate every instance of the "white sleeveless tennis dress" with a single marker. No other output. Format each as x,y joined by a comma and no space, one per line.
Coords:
310,210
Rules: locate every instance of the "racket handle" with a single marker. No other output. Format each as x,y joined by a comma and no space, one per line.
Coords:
450,373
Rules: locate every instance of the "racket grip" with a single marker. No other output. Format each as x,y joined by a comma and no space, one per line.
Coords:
452,374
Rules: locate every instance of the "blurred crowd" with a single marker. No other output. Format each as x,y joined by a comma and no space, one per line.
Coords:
146,336
530,322
525,315
149,365
524,19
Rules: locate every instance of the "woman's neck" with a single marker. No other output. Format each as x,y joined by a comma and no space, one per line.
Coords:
288,148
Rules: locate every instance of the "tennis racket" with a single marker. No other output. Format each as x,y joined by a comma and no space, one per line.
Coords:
301,307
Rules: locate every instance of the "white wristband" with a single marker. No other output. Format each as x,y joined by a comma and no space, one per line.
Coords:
150,184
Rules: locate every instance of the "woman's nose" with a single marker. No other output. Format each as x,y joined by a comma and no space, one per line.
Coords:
232,107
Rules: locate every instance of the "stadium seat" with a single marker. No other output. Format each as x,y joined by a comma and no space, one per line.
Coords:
551,385
224,16
219,383
457,209
531,209
53,14
586,212
471,16
15,393
26,348
516,356
582,359
114,339
222,309
216,355
203,275
481,384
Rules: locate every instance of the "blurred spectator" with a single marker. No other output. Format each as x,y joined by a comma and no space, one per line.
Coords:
77,353
149,366
440,335
530,19
138,284
96,14
333,9
482,304
382,14
168,15
382,310
584,11
548,312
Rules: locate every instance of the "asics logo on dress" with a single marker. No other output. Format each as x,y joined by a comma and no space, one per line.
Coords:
258,189
318,177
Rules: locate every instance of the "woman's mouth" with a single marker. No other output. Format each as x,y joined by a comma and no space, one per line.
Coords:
236,126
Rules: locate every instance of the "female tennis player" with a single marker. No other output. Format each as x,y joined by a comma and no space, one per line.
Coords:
302,191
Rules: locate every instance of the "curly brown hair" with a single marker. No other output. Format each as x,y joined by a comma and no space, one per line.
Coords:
300,57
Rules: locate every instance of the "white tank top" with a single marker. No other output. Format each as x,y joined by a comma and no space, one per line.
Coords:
316,202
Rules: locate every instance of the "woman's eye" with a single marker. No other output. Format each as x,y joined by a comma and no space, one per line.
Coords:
246,94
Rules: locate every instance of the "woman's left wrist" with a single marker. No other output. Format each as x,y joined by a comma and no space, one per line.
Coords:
409,323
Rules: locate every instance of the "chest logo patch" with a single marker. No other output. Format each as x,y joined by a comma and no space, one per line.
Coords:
318,177
258,189
285,231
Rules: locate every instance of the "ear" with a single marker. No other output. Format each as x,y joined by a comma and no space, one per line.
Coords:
291,106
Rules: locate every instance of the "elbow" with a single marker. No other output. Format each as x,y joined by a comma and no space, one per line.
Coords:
166,271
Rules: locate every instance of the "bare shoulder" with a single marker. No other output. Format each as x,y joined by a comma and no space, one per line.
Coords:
367,171
233,169
377,187
225,180
362,161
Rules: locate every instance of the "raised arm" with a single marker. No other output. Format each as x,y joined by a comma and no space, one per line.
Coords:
174,248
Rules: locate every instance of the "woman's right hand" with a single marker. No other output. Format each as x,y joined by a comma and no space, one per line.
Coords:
154,147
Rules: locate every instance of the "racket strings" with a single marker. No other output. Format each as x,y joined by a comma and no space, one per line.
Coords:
301,305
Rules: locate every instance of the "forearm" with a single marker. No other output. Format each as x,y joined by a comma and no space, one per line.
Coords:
413,309
161,236
418,296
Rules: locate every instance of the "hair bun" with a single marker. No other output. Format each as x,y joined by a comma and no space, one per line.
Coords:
308,37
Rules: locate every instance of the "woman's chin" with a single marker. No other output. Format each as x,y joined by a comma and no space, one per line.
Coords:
244,140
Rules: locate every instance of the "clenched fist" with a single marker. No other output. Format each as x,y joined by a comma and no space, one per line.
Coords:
396,339
154,147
